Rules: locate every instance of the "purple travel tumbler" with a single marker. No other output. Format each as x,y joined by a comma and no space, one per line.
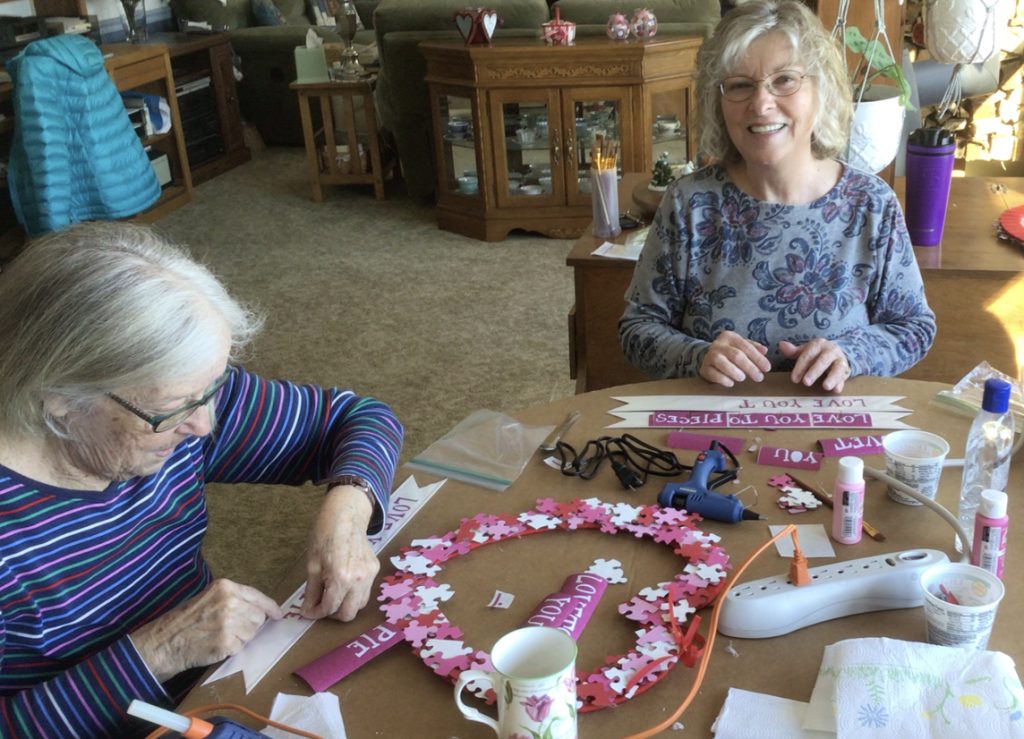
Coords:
929,169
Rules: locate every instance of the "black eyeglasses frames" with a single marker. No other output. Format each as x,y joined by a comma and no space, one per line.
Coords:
172,419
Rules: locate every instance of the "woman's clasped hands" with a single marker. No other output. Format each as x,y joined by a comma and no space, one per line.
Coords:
731,359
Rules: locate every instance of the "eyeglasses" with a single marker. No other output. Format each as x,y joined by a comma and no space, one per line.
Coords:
781,84
173,419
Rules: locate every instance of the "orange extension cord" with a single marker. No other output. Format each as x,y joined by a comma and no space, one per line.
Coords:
799,561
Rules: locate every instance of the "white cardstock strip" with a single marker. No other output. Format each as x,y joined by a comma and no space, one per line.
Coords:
768,403
275,638
761,419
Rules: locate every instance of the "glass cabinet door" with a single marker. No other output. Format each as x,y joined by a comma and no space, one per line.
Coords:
526,148
671,132
598,124
458,135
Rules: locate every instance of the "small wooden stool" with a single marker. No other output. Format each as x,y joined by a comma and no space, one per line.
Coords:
329,171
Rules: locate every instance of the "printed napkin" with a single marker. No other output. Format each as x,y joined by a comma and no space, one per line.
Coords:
892,689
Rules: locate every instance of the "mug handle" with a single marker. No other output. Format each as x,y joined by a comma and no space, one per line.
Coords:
465,677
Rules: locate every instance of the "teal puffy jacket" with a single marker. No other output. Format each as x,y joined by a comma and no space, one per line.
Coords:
74,155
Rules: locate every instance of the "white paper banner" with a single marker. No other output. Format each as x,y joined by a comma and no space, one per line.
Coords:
763,404
275,638
268,645
758,419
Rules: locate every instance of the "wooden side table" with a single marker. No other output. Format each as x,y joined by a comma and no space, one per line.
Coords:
327,171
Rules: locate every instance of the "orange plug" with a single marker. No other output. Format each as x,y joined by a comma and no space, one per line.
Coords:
798,574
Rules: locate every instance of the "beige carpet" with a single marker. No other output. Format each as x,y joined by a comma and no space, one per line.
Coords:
373,296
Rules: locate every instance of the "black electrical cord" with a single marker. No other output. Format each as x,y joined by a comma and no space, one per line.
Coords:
632,460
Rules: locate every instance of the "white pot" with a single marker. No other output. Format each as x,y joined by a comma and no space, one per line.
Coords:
964,31
877,129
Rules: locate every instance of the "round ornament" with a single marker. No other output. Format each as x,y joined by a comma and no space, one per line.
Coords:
618,27
411,597
644,24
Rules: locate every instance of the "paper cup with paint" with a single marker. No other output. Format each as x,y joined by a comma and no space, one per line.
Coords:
960,602
534,680
914,458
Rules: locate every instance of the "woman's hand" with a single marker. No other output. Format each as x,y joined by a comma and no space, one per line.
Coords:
341,565
731,359
815,359
215,624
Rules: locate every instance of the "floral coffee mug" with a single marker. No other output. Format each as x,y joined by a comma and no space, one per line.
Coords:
534,680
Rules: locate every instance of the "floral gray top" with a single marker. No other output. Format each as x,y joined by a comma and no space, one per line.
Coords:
716,259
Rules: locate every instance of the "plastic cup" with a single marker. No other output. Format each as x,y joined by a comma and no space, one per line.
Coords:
914,458
960,602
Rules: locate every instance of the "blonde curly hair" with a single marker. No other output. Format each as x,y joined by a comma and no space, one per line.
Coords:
813,49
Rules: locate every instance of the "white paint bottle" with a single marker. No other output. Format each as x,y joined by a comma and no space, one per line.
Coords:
990,528
848,501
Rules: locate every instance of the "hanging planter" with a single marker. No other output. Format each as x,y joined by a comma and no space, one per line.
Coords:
878,110
964,31
877,129
960,32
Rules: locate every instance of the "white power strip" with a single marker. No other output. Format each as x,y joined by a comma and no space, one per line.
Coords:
774,606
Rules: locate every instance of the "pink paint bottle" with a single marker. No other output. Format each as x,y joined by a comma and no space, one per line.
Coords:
848,501
990,527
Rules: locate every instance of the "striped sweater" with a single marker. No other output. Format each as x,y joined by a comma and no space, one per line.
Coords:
79,570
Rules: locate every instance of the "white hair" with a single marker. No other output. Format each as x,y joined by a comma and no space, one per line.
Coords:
102,306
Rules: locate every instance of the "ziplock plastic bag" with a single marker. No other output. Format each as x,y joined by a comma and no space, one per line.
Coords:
965,396
486,448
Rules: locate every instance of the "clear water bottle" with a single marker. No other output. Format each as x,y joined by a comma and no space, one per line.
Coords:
987,458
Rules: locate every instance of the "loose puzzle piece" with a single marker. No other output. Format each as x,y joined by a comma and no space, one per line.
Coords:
797,500
609,569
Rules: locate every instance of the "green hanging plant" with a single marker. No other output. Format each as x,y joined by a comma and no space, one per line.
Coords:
876,62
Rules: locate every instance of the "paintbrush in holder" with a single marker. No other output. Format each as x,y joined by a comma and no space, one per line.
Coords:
604,185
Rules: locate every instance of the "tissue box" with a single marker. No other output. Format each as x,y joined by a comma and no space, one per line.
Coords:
310,65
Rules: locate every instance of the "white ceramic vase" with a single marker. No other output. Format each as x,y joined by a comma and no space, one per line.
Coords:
877,129
964,31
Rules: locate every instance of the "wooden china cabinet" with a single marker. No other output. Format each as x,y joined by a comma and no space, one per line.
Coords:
514,123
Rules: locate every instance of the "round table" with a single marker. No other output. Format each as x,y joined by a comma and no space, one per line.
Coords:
397,696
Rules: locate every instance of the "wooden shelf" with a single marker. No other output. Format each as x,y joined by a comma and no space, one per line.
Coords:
147,68
195,57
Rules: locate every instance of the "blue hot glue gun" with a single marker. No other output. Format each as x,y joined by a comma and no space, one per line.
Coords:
695,495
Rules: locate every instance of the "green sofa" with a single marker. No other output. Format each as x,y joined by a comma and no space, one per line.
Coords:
403,100
266,56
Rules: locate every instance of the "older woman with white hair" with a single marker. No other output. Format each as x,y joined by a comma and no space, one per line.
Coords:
119,401
776,256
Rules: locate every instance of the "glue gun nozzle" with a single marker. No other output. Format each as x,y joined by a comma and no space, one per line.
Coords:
749,515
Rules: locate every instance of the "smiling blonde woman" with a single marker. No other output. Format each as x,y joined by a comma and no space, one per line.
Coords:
777,256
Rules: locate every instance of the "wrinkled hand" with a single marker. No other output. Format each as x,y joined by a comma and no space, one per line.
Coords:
341,565
816,359
215,624
731,359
